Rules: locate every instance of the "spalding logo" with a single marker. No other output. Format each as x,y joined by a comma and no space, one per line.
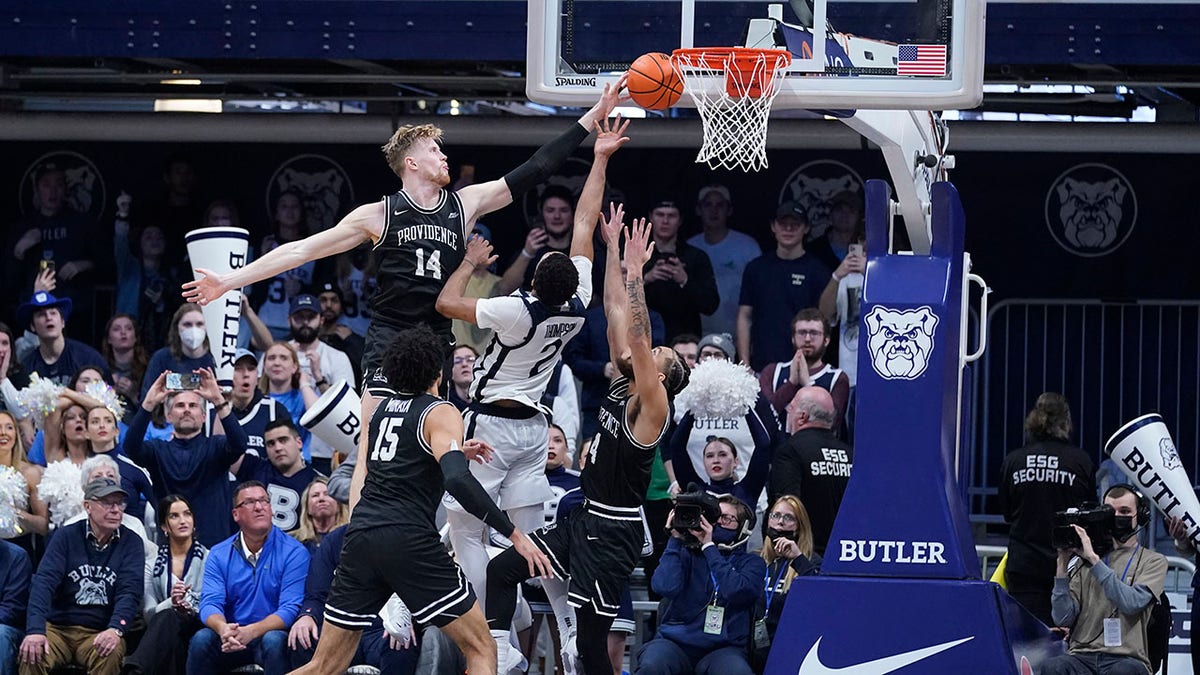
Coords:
900,341
1170,457
1091,209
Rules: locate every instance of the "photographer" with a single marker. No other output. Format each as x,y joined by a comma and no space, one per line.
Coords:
710,584
1107,612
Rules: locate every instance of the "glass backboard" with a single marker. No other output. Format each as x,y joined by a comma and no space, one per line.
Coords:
891,54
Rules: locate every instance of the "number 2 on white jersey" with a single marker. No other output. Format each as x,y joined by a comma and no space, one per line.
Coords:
432,267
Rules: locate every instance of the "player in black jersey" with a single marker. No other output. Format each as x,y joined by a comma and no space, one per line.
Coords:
419,235
392,543
599,545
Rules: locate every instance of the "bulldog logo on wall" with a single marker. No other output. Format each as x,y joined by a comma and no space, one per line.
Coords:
84,183
814,185
323,185
900,341
1091,209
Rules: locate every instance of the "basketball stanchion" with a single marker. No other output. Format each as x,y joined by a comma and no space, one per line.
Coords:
733,88
222,250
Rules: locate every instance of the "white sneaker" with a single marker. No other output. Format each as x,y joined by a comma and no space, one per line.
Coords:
570,649
508,657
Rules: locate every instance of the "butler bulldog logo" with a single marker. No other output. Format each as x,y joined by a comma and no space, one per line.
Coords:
1170,457
82,185
900,341
814,185
323,185
1091,210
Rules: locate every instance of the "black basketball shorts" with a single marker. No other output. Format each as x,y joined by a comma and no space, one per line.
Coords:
392,559
380,336
597,553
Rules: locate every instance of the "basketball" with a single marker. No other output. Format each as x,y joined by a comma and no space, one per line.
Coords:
653,83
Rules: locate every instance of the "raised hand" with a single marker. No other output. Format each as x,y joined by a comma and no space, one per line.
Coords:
156,394
534,241
209,390
610,228
610,135
207,288
479,253
611,97
638,247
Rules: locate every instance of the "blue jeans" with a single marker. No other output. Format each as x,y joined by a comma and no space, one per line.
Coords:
661,656
10,642
205,655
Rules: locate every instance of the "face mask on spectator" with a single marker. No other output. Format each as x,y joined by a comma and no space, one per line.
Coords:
192,338
723,535
780,534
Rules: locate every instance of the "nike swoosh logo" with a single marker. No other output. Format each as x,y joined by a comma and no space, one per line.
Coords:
399,213
812,661
590,538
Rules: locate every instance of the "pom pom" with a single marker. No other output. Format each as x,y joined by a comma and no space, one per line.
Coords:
719,388
14,496
100,391
61,490
39,398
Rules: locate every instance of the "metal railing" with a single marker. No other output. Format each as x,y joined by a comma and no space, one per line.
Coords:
1113,361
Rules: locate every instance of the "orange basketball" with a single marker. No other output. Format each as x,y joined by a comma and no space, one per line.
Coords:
653,83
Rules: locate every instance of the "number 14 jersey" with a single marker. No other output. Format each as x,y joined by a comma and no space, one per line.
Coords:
418,250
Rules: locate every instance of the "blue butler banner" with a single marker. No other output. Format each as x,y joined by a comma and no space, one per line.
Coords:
900,590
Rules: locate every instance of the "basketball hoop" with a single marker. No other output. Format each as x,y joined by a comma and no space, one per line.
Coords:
733,88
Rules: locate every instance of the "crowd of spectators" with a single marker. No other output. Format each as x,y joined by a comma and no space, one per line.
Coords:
210,511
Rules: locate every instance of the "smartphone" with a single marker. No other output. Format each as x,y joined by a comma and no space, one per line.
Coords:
856,249
182,381
47,264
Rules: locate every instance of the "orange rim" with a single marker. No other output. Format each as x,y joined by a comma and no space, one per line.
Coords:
743,76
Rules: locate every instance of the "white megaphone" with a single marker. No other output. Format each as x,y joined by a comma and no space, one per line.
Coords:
335,418
1145,452
222,250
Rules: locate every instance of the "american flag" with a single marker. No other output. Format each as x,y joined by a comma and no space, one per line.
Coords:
927,60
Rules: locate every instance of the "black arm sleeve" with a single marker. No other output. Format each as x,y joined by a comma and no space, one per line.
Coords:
545,161
462,486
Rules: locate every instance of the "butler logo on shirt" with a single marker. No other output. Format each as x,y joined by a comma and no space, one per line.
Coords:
900,341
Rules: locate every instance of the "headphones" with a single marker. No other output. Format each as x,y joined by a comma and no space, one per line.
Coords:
1143,503
745,527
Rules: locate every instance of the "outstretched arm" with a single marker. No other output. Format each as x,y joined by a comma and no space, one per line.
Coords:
483,198
610,136
616,303
364,223
452,302
650,392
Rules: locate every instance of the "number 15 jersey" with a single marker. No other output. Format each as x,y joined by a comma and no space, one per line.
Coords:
417,252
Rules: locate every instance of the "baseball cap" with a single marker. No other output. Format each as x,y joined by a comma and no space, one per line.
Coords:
664,203
790,209
721,341
103,487
719,189
304,301
328,287
244,354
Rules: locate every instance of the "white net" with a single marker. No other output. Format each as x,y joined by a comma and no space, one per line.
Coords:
733,89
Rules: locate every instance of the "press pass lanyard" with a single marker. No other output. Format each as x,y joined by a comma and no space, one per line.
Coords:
714,615
1128,562
771,588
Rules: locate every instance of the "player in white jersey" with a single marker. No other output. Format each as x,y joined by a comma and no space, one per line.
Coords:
531,329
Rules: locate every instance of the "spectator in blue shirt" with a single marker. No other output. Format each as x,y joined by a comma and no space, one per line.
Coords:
57,357
710,587
87,590
15,571
253,588
192,463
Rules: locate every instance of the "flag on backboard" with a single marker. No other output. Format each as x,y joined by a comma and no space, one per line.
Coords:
927,60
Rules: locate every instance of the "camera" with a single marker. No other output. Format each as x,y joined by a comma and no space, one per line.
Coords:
182,381
689,507
1098,521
